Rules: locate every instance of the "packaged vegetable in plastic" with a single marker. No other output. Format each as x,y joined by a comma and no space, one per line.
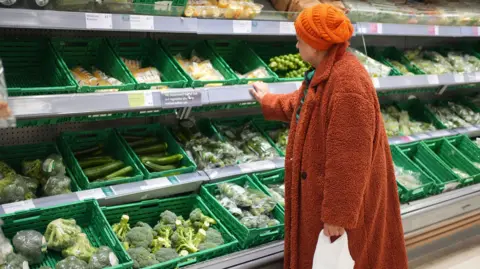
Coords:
83,77
261,203
62,233
231,206
5,170
5,246
59,184
53,165
81,249
132,65
259,72
6,116
71,262
15,261
103,258
31,244
33,169
407,178
147,75
238,194
100,75
15,188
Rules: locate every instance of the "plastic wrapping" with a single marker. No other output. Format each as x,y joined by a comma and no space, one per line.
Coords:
228,9
5,121
97,78
30,244
199,69
455,115
407,178
259,72
59,184
374,68
399,123
5,245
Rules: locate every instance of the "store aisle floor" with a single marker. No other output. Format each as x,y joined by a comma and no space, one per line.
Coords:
468,258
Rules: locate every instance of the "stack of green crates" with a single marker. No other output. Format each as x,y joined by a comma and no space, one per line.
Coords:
87,215
164,136
264,179
149,212
247,237
32,67
186,48
71,142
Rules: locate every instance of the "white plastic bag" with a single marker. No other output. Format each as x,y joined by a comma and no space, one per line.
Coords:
334,255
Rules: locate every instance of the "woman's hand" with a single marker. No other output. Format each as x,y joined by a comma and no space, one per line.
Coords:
4,110
332,230
259,90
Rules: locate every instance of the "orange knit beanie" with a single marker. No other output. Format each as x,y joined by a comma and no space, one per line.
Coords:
322,26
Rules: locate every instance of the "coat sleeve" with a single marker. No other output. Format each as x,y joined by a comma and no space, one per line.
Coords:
349,147
280,107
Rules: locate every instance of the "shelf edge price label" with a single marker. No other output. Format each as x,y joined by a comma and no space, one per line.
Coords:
141,22
433,79
242,27
376,83
98,21
18,206
90,194
155,183
433,30
476,31
376,28
140,99
287,27
459,78
177,99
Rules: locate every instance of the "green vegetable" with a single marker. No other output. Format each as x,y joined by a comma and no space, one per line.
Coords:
15,261
104,257
5,246
141,257
159,243
62,233
197,216
168,218
143,142
15,188
31,244
165,254
152,149
158,168
53,165
206,245
146,226
164,160
5,170
122,228
187,239
139,237
120,173
95,161
214,236
289,65
56,185
100,171
89,151
45,267
33,169
71,262
81,249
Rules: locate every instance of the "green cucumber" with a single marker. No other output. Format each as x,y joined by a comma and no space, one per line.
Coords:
132,138
143,142
152,149
154,155
119,173
159,168
163,160
95,161
88,150
103,170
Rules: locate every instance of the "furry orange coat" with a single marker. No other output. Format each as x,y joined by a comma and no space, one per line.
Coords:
338,167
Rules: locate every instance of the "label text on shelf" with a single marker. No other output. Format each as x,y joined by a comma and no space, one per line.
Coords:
433,79
98,21
433,30
141,22
459,78
176,99
287,27
156,183
140,99
18,206
90,194
242,27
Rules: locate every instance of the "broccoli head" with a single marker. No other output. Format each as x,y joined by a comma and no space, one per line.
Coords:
71,262
33,169
165,254
206,245
31,244
187,239
197,216
159,243
104,257
214,236
5,170
147,226
15,261
168,218
139,237
122,228
61,233
14,188
57,185
141,257
81,249
53,166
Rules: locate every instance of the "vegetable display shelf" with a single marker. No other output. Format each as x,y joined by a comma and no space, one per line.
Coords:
149,212
247,237
188,49
264,179
87,215
267,127
106,142
185,165
32,67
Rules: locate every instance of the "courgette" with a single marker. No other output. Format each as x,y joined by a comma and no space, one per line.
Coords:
143,142
163,160
88,150
95,161
154,155
132,138
152,149
159,168
103,170
120,173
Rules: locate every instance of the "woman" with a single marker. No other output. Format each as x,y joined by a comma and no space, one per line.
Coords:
4,110
339,174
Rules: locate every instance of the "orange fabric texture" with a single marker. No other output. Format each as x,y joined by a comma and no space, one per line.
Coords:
322,26
338,168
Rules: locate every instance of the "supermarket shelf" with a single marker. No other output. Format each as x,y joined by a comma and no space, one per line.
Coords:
49,19
26,107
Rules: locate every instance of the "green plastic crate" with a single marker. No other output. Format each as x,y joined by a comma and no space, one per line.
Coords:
93,52
263,179
70,142
247,237
150,54
14,155
160,8
428,184
418,111
88,216
441,103
156,130
468,148
186,47
149,212
431,165
384,56
268,50
266,126
454,159
32,67
241,59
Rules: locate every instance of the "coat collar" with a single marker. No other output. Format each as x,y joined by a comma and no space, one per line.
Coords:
322,72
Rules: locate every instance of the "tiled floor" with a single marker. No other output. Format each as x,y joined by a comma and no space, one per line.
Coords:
468,258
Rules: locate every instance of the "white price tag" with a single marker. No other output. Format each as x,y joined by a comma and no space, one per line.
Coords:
433,30
422,136
442,133
148,98
18,206
298,84
157,183
256,166
90,194
459,78
477,76
98,21
242,27
376,83
140,22
432,79
287,27
376,28
472,128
